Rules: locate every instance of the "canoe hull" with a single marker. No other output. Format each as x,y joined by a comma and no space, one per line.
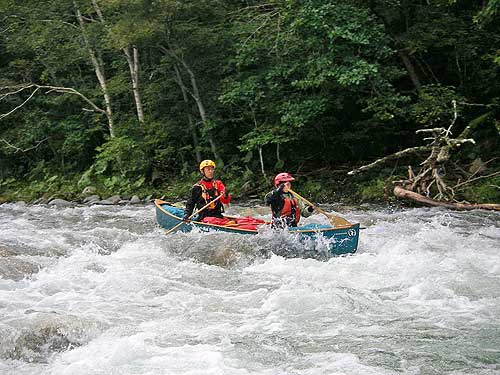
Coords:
343,240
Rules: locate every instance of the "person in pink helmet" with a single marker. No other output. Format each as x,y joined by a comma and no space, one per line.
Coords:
285,208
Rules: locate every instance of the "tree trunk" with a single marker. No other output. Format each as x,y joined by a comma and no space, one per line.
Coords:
407,194
195,94
400,48
201,107
99,72
410,69
133,64
178,79
261,159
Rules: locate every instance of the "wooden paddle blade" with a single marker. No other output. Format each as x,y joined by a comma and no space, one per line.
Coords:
338,221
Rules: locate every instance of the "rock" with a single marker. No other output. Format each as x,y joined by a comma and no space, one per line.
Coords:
16,269
105,202
60,202
92,199
135,200
3,200
124,201
41,201
21,203
6,253
114,199
89,190
148,198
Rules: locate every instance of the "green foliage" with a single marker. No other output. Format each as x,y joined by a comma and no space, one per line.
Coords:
308,84
314,189
119,166
484,191
301,64
372,191
434,107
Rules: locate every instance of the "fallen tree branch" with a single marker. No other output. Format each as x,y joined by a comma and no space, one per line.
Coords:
397,155
407,194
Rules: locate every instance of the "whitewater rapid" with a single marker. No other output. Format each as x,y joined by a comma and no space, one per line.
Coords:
102,290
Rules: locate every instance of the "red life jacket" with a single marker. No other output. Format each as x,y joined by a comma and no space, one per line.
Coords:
209,194
291,209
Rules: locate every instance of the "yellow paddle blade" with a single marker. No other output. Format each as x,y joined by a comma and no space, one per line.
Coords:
336,221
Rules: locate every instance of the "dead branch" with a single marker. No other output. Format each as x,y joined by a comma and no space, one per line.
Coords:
20,105
475,179
18,149
397,155
430,180
407,194
11,90
455,116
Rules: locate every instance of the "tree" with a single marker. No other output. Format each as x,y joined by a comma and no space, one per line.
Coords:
309,70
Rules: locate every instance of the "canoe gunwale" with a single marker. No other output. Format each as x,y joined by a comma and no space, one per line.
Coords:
159,203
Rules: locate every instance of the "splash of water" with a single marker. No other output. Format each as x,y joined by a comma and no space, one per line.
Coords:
101,290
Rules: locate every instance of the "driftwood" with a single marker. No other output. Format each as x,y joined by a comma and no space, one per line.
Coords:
407,194
428,184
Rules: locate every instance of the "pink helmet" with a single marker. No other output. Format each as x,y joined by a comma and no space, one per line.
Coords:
282,177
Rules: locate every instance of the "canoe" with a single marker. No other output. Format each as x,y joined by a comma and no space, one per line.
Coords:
341,240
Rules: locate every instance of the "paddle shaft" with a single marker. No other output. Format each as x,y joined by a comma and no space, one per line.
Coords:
194,214
337,221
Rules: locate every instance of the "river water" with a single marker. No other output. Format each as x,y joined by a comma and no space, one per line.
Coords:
102,290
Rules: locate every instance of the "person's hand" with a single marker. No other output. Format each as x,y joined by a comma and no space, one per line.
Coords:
185,218
310,208
226,194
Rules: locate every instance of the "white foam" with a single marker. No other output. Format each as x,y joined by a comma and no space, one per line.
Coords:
423,282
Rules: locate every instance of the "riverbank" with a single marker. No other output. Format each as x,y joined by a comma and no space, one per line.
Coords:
326,186
320,186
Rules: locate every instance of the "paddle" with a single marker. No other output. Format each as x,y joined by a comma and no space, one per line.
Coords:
336,221
194,214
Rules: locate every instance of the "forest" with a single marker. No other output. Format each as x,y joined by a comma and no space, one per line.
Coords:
128,96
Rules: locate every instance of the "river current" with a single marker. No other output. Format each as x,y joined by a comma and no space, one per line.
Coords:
103,290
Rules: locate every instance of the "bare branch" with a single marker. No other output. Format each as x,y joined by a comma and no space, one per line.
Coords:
20,105
432,130
17,149
22,88
58,89
478,104
263,7
269,16
98,10
396,155
455,116
475,179
63,22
